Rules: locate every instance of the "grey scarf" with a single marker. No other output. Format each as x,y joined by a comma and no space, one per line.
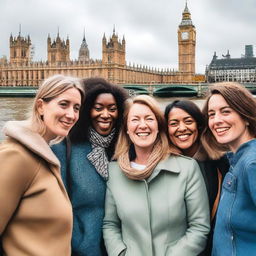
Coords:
98,156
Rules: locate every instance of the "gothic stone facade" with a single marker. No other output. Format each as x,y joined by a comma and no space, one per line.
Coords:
21,71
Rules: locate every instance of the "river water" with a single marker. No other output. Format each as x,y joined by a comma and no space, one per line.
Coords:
18,108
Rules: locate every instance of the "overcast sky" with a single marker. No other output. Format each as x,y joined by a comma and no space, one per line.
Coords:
149,26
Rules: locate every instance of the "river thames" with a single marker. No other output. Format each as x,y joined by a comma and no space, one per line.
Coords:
19,108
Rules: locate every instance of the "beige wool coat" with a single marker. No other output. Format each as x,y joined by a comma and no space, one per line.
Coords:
35,212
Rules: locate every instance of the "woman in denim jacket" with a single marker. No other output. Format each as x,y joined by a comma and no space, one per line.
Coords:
231,114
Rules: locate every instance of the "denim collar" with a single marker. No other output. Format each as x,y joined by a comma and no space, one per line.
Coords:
234,157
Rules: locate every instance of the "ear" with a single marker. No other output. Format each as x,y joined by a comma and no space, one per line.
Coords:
40,106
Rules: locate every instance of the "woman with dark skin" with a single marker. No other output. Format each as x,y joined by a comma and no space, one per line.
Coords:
85,159
185,125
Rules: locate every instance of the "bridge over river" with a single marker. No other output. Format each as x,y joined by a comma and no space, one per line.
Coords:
175,90
158,90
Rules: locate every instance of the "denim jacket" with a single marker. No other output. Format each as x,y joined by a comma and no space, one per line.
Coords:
235,229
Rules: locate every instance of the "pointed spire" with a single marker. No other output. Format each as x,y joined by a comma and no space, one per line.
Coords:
186,10
186,17
84,35
19,29
58,33
114,30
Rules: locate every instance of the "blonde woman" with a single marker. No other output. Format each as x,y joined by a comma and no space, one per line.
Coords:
156,203
36,214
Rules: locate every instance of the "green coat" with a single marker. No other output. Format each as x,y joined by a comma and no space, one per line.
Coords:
167,214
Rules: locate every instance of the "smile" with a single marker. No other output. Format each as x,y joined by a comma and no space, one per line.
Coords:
183,137
221,131
143,134
66,124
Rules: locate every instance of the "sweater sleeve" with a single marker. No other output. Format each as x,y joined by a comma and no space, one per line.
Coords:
112,227
194,240
15,177
60,151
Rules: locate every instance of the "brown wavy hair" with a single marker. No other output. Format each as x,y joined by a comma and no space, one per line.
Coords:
241,101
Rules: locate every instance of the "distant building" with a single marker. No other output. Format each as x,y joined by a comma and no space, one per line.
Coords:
84,54
241,70
20,49
21,70
58,50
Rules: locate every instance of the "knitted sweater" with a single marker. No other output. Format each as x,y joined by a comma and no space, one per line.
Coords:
87,197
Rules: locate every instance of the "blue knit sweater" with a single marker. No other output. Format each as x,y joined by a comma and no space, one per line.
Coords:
88,199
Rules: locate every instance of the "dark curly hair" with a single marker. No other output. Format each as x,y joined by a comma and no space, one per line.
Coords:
94,87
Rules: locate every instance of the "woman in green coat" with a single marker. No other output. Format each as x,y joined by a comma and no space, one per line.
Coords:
156,202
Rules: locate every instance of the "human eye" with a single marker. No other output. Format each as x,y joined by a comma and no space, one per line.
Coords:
97,108
77,108
150,118
63,104
211,115
134,119
226,111
189,121
173,123
112,108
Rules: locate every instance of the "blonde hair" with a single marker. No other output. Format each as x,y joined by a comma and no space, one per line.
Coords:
124,142
48,90
241,101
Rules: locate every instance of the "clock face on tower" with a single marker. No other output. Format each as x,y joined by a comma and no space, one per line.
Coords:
184,35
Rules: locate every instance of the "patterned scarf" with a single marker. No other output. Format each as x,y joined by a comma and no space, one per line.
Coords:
98,156
134,174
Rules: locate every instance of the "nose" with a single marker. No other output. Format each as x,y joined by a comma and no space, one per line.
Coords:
70,113
104,113
217,118
182,127
142,124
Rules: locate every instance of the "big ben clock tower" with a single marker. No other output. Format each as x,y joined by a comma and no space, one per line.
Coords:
187,44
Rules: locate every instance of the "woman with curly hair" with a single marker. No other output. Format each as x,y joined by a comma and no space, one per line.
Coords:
84,159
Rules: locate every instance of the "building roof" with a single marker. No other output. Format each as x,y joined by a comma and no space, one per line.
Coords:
232,63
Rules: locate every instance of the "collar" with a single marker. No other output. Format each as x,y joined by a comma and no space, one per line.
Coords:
21,131
170,164
234,157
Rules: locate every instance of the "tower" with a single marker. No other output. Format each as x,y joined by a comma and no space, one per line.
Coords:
58,50
84,54
187,43
113,52
20,49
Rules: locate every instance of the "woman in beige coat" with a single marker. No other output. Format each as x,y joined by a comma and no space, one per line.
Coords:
35,212
156,203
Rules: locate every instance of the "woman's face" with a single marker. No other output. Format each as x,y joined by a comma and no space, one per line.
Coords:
182,129
226,125
104,113
142,126
60,114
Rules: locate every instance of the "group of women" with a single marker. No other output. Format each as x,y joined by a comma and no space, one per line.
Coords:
132,180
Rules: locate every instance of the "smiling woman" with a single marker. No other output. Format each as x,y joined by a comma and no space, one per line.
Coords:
230,110
185,124
32,193
84,160
150,190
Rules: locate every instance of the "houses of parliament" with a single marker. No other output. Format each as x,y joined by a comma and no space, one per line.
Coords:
20,70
